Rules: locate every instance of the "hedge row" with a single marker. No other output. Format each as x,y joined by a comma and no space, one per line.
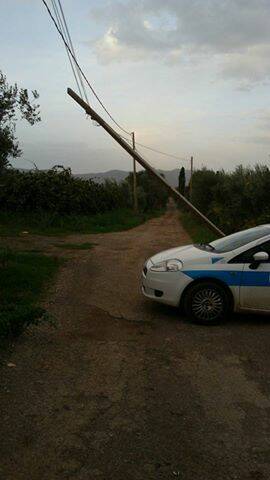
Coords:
233,200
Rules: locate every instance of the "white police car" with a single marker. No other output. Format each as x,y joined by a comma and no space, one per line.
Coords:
209,280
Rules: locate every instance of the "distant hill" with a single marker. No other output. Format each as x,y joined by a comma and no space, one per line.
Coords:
120,175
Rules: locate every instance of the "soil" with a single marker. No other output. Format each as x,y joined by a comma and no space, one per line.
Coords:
125,388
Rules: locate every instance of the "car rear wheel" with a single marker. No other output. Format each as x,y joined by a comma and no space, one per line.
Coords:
206,303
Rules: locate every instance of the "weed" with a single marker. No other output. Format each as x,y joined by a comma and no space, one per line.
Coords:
22,280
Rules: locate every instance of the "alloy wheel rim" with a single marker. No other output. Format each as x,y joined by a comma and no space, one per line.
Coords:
207,304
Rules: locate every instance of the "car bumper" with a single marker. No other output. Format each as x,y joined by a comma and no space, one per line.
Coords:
163,287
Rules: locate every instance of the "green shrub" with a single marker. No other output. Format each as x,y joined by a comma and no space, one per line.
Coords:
57,192
233,200
151,194
22,279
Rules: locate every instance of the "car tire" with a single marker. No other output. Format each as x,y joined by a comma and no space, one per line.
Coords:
206,303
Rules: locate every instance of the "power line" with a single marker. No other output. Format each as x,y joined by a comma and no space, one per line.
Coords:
72,48
61,27
58,18
157,151
161,153
63,30
81,71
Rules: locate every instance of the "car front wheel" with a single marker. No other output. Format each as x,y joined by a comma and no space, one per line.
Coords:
206,303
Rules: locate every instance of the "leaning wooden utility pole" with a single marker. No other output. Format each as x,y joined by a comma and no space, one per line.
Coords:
135,196
95,116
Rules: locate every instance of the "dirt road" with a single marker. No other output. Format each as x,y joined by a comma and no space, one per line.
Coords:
126,389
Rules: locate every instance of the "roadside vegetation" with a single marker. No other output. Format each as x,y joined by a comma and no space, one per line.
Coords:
23,277
50,224
232,200
197,230
54,202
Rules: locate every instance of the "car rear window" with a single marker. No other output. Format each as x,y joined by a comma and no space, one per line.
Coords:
239,239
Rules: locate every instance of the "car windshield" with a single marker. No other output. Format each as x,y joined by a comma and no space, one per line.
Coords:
239,239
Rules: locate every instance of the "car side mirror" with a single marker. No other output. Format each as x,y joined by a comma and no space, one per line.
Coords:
258,258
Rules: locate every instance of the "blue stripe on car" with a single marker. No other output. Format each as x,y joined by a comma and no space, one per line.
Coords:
233,278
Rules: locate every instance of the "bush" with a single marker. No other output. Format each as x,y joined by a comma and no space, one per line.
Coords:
22,279
234,200
57,191
151,194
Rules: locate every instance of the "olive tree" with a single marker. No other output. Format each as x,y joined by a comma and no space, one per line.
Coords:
15,103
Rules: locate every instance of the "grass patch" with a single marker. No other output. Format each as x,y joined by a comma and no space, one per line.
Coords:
75,246
197,230
23,277
50,224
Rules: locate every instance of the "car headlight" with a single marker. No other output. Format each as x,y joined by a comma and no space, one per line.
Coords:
167,266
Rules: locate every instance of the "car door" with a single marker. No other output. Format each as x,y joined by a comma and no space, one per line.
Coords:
255,284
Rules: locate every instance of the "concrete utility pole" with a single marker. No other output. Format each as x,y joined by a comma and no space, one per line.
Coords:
191,175
135,196
95,116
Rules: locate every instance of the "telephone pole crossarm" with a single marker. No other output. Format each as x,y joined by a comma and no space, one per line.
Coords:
95,116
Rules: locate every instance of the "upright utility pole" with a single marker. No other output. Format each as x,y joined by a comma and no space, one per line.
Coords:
135,196
191,175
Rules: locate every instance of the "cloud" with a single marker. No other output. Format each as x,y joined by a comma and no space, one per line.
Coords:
260,140
249,67
259,128
234,32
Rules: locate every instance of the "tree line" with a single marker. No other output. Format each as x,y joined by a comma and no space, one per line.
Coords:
59,192
233,200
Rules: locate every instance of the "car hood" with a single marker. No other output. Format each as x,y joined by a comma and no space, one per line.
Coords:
188,254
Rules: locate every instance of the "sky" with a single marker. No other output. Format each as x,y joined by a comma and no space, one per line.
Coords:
190,77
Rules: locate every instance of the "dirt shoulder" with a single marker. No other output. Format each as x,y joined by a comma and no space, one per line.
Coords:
124,388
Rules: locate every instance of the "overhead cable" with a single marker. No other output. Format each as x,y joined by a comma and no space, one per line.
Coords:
81,71
160,152
155,150
67,50
62,28
72,48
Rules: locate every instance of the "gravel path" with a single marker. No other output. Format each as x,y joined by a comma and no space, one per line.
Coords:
124,389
